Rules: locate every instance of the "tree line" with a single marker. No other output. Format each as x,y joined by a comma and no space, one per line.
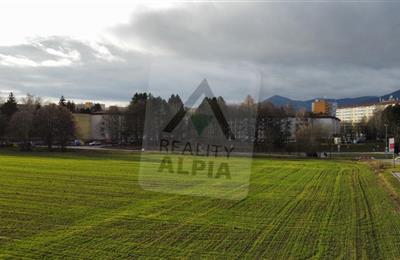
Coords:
263,124
270,128
30,120
382,120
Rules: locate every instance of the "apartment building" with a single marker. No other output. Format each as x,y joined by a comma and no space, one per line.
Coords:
324,107
356,114
328,124
90,126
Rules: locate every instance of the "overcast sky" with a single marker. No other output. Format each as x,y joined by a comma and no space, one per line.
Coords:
107,50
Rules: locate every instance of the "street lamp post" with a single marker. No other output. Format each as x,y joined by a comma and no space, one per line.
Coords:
386,140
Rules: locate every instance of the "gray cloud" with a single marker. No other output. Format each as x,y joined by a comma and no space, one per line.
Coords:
356,33
304,49
91,71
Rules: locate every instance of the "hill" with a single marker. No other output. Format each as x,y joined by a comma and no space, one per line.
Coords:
298,104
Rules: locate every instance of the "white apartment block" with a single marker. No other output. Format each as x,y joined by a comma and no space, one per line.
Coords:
356,114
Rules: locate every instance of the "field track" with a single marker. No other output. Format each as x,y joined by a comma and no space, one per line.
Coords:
89,205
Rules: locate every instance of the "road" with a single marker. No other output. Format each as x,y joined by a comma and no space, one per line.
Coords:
100,148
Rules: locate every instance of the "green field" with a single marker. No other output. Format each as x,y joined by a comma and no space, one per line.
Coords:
90,205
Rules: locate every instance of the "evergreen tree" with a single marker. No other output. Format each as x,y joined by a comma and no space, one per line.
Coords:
135,116
62,102
9,107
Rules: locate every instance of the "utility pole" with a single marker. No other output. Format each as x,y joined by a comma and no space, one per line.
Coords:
386,140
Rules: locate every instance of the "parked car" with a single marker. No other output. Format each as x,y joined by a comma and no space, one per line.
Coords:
94,143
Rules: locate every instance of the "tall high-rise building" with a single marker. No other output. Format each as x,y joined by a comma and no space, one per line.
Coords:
319,106
324,107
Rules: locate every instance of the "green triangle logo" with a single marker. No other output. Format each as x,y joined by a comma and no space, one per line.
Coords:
200,122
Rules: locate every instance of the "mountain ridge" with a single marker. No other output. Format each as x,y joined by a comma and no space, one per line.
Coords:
278,100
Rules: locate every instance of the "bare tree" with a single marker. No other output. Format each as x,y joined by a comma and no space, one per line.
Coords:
20,127
64,126
114,124
309,137
55,123
31,102
45,124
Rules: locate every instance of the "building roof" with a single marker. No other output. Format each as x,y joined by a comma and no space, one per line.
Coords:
389,102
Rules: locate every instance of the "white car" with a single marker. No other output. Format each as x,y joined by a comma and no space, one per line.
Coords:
94,143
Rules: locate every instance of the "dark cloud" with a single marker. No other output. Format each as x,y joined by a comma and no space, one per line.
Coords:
326,32
304,50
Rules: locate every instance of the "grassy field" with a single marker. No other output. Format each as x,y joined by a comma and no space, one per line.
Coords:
90,205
